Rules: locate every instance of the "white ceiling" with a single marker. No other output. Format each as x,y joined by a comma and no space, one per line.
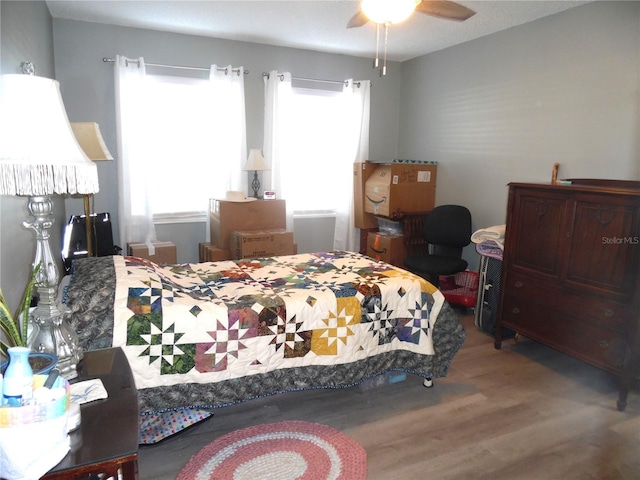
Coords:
308,24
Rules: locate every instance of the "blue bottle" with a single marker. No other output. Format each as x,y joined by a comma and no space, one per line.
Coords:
17,385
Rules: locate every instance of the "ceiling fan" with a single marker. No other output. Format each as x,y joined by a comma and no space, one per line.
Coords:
389,12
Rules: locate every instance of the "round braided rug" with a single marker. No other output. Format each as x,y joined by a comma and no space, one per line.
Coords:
279,451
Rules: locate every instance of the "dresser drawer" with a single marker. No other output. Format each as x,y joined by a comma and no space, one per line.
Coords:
588,341
587,307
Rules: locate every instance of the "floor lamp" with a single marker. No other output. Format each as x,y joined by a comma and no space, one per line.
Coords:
40,157
89,138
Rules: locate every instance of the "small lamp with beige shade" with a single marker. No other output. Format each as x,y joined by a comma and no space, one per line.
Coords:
88,136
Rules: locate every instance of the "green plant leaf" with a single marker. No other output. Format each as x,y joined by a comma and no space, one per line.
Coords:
8,326
26,303
16,333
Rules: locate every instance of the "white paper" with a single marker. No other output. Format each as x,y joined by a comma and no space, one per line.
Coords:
88,391
424,176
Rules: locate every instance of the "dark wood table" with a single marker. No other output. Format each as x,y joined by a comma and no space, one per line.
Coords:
107,439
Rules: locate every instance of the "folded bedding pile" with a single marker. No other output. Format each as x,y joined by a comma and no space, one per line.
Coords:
490,241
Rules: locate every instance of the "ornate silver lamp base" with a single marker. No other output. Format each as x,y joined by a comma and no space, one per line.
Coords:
51,332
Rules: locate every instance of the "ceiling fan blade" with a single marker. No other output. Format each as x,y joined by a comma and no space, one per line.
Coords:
445,9
358,20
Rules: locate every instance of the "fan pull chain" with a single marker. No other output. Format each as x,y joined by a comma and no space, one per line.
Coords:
376,61
383,72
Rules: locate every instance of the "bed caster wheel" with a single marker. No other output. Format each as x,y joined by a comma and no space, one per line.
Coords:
428,382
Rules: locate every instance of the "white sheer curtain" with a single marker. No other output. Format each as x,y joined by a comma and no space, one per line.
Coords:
351,114
135,211
230,149
356,98
278,94
153,136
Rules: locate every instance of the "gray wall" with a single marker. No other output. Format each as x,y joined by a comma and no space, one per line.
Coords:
26,34
506,107
87,84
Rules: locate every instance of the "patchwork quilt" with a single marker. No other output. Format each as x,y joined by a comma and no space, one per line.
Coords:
216,321
212,334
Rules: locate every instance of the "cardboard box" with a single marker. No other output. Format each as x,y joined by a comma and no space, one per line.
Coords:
265,243
400,188
361,173
166,252
211,253
227,217
364,235
390,249
202,252
216,254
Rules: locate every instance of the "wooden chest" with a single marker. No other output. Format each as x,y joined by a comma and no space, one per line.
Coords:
571,272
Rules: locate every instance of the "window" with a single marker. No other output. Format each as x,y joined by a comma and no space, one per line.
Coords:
316,151
179,158
313,138
183,141
191,137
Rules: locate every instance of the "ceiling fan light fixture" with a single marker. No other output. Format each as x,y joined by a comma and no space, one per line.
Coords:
388,11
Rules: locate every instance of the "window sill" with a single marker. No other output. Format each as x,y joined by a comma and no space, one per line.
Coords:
186,217
315,214
201,217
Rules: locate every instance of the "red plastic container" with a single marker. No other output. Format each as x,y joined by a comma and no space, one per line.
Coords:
461,288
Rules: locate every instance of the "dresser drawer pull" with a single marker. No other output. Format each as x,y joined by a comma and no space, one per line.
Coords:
518,284
608,313
515,310
604,345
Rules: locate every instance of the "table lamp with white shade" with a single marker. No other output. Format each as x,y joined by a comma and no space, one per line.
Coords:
255,163
40,157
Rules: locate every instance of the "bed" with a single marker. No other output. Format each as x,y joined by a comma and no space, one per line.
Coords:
208,335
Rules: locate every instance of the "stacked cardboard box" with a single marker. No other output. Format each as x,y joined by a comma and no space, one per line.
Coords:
166,252
227,216
361,173
388,248
212,253
400,188
265,243
247,229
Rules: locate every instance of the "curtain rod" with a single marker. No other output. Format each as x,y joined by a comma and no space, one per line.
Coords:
180,67
318,80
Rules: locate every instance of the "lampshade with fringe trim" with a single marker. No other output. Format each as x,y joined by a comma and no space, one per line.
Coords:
39,154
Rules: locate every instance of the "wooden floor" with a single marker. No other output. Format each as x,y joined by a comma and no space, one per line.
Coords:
524,412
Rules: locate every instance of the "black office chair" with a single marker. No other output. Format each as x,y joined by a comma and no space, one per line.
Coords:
447,230
74,241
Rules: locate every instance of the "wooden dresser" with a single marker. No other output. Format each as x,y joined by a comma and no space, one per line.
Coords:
571,272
